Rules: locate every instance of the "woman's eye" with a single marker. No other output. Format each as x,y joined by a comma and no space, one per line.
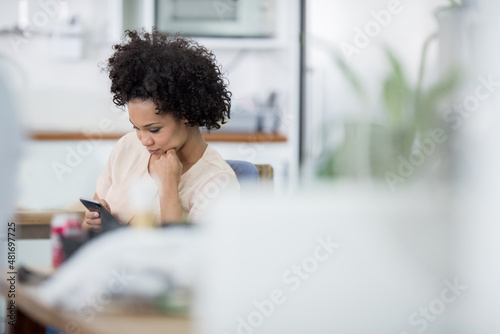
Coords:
154,130
134,127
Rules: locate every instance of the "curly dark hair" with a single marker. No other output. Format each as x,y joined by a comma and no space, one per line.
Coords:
180,76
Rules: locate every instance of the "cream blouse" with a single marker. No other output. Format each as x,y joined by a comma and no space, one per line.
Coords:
207,180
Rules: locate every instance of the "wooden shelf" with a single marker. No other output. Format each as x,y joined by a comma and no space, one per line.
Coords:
244,137
210,137
73,136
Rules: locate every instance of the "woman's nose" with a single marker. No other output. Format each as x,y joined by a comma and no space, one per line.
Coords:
145,140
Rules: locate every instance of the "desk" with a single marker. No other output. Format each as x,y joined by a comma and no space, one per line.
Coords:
31,309
34,224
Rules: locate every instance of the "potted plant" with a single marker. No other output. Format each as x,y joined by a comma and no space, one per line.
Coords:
377,150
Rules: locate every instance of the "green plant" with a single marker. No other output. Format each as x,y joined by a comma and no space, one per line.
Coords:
369,149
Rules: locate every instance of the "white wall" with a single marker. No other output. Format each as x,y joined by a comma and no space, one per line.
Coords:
69,95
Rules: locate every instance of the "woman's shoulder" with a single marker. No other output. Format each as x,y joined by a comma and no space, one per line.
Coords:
211,165
129,140
214,162
128,148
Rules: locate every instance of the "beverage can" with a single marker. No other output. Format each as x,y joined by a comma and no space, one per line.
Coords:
63,225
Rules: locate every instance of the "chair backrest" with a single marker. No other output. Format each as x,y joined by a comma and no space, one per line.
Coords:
266,178
246,172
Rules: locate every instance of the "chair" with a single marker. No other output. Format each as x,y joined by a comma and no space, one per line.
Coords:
252,178
246,173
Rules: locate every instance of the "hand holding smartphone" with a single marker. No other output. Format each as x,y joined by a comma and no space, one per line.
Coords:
108,222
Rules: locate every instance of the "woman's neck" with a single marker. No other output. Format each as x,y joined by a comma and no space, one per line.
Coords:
192,150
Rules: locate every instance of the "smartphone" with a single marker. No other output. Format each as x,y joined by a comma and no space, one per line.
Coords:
108,222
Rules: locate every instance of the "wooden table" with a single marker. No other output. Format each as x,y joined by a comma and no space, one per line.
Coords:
35,224
33,315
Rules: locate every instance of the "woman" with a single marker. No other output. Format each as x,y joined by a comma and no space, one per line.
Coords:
172,87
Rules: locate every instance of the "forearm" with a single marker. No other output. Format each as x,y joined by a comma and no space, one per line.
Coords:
170,204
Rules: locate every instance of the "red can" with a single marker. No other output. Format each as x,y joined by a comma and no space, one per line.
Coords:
66,225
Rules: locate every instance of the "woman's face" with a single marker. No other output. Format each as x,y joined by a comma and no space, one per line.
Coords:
158,133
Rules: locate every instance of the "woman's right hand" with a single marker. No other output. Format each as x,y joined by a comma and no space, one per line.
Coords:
92,219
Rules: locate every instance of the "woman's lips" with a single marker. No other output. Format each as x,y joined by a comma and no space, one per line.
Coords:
153,152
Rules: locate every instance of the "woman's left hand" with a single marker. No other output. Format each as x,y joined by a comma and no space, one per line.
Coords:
166,167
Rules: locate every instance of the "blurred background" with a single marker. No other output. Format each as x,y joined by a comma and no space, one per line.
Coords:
282,59
390,106
53,62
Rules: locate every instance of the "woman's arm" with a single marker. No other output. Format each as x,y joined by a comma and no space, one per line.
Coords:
170,204
167,170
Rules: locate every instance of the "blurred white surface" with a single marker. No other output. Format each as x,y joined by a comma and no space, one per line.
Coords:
54,175
35,252
478,232
141,264
10,149
391,259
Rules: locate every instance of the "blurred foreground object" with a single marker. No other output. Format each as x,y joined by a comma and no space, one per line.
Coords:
10,153
10,149
477,165
337,259
136,269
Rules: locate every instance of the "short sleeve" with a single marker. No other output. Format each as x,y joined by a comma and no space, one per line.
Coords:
105,179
